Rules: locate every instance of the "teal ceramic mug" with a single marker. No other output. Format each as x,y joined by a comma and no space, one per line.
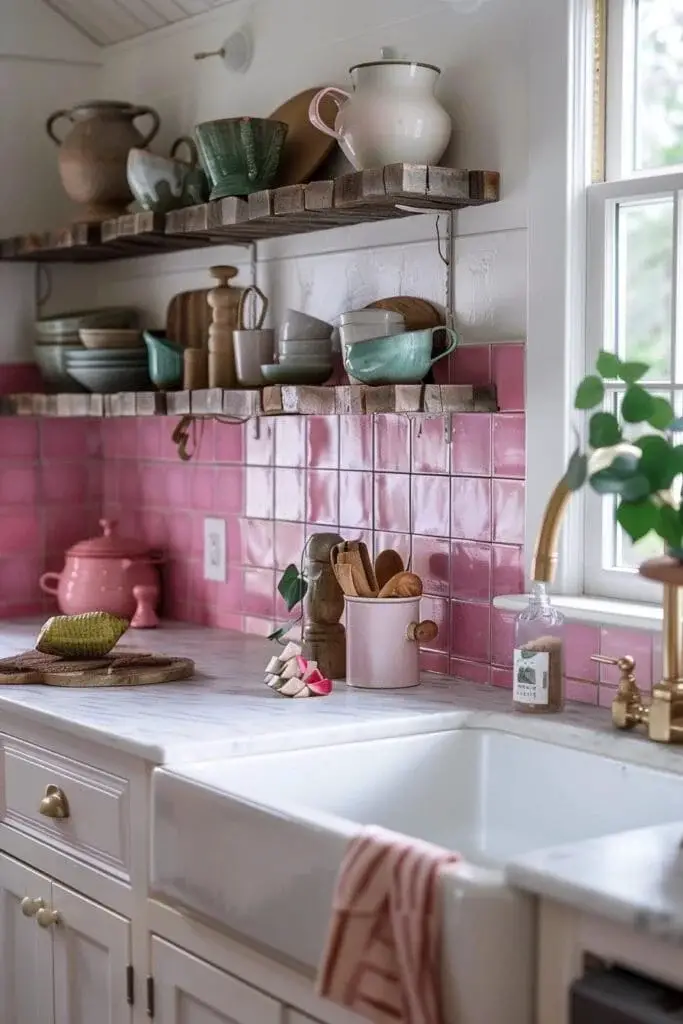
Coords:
398,359
241,155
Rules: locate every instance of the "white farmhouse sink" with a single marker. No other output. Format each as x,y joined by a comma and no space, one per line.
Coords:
255,843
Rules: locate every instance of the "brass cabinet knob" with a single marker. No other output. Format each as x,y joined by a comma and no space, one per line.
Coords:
47,918
54,804
31,905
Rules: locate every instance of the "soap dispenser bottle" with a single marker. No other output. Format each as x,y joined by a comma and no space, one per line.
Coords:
538,664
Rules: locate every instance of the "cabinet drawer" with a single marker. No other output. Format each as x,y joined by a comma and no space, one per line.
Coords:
98,824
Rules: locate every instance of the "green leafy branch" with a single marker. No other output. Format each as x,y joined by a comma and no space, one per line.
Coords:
639,474
293,587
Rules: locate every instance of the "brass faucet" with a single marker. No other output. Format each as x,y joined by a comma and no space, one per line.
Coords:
663,716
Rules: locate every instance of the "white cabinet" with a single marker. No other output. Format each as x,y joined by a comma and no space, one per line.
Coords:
190,991
72,968
294,1017
25,949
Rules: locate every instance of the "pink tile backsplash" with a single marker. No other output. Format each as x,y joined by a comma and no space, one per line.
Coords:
392,444
471,508
430,450
509,451
471,444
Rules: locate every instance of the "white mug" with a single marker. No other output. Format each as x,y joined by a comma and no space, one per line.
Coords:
252,349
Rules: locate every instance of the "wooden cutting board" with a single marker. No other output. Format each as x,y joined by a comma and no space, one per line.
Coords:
305,146
419,314
124,668
188,319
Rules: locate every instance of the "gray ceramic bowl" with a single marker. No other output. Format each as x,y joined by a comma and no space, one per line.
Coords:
103,380
65,326
400,359
51,360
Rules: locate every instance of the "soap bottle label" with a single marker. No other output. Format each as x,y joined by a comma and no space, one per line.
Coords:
530,677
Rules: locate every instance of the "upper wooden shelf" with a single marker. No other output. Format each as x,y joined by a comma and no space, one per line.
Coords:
358,198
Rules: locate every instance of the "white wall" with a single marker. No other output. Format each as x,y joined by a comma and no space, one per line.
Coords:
302,43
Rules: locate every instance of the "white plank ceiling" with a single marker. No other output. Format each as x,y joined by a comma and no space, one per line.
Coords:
111,21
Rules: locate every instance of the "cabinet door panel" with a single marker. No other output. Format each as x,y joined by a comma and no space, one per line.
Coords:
25,948
189,991
91,956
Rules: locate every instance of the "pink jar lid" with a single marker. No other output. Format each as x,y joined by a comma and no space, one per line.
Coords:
110,544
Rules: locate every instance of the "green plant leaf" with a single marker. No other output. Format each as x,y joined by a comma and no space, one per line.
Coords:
589,393
638,405
677,459
577,471
604,430
631,372
292,587
637,518
662,414
622,478
669,526
659,461
608,365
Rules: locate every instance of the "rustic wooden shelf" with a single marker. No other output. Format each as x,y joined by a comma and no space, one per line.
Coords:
387,193
430,399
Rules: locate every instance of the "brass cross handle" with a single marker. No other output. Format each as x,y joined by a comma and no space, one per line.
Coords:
54,804
30,905
48,918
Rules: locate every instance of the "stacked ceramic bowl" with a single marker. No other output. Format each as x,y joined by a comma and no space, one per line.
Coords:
57,336
119,362
365,325
304,351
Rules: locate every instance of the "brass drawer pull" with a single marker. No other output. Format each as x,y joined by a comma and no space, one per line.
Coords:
54,804
31,905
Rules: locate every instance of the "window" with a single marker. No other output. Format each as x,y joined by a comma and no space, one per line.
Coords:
634,287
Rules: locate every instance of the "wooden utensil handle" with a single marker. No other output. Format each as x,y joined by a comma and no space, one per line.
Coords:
423,632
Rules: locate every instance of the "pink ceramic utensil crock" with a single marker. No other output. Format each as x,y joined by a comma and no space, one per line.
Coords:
100,574
381,653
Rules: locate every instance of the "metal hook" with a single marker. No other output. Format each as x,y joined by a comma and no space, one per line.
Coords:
181,437
445,258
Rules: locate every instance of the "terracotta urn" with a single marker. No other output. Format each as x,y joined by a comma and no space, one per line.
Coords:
93,155
103,575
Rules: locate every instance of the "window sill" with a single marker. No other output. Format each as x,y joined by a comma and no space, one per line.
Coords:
594,611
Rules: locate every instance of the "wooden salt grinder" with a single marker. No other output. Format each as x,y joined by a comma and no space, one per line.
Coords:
324,635
224,301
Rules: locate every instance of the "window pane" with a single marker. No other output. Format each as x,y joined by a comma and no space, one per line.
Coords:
659,84
644,272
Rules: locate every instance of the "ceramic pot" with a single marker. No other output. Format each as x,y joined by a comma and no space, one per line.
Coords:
101,574
391,117
401,359
94,154
162,184
380,651
241,155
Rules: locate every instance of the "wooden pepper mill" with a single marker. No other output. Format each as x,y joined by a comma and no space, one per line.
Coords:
324,637
224,301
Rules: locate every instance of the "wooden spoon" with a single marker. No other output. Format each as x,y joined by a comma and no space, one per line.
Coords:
344,574
356,555
404,584
387,565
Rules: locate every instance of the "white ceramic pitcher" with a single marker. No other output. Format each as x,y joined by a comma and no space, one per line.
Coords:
392,116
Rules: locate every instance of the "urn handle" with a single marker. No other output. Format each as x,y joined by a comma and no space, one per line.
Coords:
140,112
51,121
185,140
47,586
340,96
452,339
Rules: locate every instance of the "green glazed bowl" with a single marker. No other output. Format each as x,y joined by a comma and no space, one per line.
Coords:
241,155
165,360
399,359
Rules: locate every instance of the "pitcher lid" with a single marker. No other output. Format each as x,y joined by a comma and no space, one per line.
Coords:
110,544
395,62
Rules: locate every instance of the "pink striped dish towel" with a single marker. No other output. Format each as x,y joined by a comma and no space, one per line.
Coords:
382,958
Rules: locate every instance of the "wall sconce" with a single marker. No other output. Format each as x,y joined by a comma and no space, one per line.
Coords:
237,52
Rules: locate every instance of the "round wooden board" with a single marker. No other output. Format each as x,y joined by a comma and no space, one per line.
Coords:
419,314
305,146
175,670
125,668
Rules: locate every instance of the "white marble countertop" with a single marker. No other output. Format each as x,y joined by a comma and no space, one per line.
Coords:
633,878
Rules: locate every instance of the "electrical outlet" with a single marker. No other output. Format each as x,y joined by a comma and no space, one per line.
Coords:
215,554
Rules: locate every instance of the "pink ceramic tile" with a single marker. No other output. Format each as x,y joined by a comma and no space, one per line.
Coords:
434,661
149,437
19,578
392,444
355,442
130,482
392,502
430,451
355,500
230,483
20,378
437,609
260,492
507,363
18,484
154,530
69,439
400,542
606,695
471,444
178,481
581,691
290,441
507,575
470,671
501,677
184,533
471,508
509,440
289,542
257,543
228,442
202,488
581,642
431,562
502,637
323,442
20,531
62,529
322,505
19,439
66,484
507,502
290,494
471,365
254,626
206,442
470,631
431,505
259,592
260,442
615,643
470,570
